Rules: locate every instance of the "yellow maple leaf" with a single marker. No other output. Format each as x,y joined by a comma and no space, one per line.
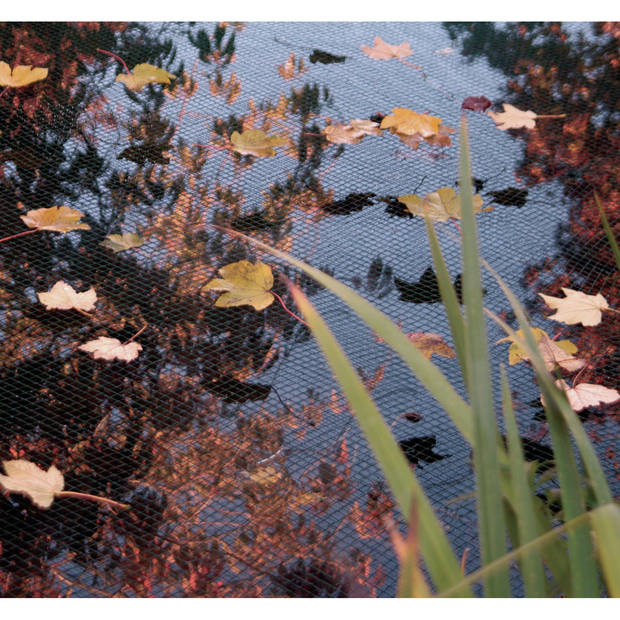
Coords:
245,283
144,74
408,123
384,51
58,219
255,142
554,353
22,75
439,205
576,307
124,241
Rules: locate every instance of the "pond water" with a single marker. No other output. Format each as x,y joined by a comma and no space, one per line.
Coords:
245,471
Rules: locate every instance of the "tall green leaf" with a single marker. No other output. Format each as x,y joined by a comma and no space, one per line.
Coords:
490,511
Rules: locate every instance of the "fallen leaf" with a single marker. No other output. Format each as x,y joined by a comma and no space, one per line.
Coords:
62,296
255,142
513,118
576,307
408,122
265,476
109,349
351,133
412,416
29,479
21,75
429,343
245,284
144,74
477,104
325,58
58,219
384,51
440,205
554,353
587,395
444,51
124,241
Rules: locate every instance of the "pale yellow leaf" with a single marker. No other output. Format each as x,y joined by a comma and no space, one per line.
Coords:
440,205
384,51
144,74
110,349
245,284
57,219
587,395
21,75
124,241
351,133
513,118
255,142
62,296
576,307
29,479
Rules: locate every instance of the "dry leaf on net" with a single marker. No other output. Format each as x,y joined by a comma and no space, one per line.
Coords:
576,307
429,343
57,219
384,51
255,142
351,133
245,283
440,205
144,74
513,118
554,353
62,296
587,395
124,241
28,479
408,122
110,349
21,75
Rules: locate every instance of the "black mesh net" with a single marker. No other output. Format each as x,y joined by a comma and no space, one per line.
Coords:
244,470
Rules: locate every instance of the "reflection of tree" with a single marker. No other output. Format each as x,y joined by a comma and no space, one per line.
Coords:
215,509
551,72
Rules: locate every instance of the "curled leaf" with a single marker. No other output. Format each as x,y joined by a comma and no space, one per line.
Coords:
351,133
439,205
245,284
576,307
384,51
255,142
29,479
429,343
477,104
21,75
57,219
110,349
62,296
513,118
124,241
144,74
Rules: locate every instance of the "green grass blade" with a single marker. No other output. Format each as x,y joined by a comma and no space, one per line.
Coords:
449,298
607,228
580,552
531,566
538,544
436,550
428,374
489,493
606,524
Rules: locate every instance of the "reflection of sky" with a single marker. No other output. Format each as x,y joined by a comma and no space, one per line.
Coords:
509,237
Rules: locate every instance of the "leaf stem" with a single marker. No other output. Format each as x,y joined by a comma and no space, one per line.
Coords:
287,310
551,116
137,333
116,57
92,498
20,234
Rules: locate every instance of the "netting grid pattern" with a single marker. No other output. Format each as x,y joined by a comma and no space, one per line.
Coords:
245,471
